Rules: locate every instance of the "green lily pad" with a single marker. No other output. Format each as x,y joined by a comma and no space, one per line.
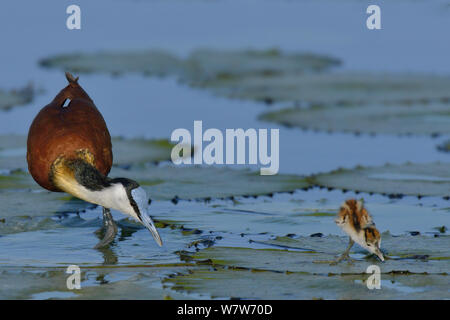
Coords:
132,151
429,179
30,210
225,272
200,67
9,99
313,255
17,179
18,203
207,64
374,118
25,224
247,284
264,217
13,151
169,182
193,182
96,283
330,88
151,62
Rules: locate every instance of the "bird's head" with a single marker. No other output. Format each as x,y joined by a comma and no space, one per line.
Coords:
356,221
129,197
372,242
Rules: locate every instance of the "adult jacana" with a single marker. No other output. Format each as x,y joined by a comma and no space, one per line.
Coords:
69,150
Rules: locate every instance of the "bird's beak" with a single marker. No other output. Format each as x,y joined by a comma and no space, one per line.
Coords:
148,222
379,254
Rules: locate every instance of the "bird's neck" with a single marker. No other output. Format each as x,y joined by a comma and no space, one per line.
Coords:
79,178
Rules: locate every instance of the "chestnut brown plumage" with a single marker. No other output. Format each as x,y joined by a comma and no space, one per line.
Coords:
64,131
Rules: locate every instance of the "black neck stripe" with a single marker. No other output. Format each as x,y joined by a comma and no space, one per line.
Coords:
90,178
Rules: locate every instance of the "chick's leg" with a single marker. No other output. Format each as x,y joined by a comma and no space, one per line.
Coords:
345,255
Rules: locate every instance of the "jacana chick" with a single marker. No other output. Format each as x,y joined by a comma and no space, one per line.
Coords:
356,221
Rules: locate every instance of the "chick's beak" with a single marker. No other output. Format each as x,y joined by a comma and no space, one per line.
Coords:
379,254
148,222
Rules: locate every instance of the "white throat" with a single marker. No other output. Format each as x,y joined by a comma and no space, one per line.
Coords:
113,197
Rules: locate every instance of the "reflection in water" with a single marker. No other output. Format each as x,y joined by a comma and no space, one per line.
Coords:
109,256
126,232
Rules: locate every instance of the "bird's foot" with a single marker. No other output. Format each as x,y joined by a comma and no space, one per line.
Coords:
109,230
344,256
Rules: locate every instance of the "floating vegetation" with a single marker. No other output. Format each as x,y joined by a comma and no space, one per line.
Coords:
96,283
162,182
233,248
336,88
10,99
193,182
16,203
134,265
430,179
418,119
248,284
151,62
306,254
126,151
201,65
17,179
206,65
134,151
302,264
265,75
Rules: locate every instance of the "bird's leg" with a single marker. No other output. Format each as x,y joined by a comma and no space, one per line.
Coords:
345,255
109,228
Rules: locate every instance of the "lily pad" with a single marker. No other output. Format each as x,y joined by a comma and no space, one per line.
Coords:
207,64
200,67
258,274
429,179
29,210
247,284
278,217
16,180
310,254
151,62
330,88
17,203
96,283
13,151
374,118
9,99
168,182
259,217
73,241
132,151
194,182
